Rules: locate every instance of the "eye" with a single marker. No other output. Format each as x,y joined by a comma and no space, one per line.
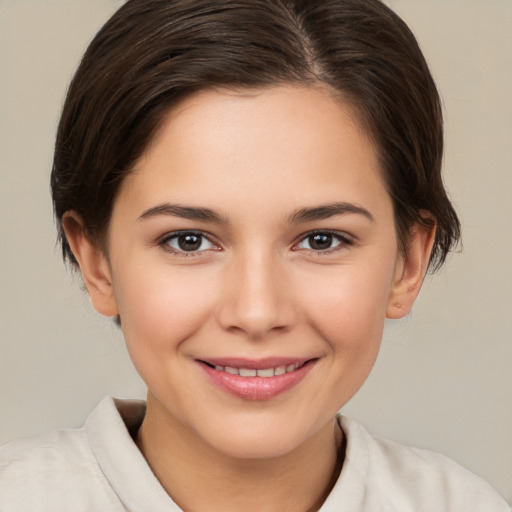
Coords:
323,241
187,242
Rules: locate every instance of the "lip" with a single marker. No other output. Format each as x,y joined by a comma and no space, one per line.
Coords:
255,364
256,388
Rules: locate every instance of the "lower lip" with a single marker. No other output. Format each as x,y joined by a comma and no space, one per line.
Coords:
257,388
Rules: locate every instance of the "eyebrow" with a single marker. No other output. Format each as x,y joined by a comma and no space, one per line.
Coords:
303,215
328,210
185,212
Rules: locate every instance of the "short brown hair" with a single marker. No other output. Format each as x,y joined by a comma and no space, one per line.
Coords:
153,53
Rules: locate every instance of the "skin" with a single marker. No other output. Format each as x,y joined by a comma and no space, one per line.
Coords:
256,288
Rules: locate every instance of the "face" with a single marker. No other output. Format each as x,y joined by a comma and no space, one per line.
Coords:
252,257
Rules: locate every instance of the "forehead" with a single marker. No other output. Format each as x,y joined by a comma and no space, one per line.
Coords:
250,147
257,115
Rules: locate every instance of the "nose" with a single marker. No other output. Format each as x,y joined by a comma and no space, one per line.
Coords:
257,298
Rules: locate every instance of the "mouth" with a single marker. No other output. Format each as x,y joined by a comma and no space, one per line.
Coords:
256,380
257,372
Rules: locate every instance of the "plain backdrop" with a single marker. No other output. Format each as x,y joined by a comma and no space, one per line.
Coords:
444,377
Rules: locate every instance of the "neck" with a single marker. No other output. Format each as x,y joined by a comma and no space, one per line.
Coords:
192,472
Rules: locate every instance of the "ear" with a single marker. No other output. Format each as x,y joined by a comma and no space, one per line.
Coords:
410,271
93,264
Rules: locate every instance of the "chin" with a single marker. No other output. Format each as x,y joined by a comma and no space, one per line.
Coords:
259,445
257,438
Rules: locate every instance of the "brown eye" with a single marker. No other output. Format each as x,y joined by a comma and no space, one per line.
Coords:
323,241
320,242
188,242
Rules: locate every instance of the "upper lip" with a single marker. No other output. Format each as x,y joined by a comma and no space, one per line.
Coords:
255,364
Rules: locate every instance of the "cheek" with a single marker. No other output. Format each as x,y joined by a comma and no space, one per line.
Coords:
348,313
159,309
348,308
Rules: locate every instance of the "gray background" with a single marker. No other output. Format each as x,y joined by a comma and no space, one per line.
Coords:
443,380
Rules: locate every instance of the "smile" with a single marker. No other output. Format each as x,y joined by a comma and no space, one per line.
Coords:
256,380
259,372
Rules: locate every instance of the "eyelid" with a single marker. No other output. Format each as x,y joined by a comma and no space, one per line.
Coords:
163,242
344,238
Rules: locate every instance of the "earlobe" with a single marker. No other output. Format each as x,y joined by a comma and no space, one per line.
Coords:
410,271
93,264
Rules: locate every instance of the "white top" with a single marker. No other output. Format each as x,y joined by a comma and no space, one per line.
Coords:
99,468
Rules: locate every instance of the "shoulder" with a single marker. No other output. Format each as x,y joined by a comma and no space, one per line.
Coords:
51,453
45,472
412,479
53,470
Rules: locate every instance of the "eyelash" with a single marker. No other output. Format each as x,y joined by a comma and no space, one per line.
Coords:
164,243
343,241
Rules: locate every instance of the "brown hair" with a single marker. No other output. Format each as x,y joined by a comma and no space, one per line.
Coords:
153,53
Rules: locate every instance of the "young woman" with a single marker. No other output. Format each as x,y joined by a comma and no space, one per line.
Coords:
249,188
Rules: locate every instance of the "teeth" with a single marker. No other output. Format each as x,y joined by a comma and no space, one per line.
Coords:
250,372
245,372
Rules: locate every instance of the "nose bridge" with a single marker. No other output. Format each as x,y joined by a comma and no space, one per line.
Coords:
257,300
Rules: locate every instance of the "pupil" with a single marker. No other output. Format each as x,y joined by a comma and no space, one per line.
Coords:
320,242
189,242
